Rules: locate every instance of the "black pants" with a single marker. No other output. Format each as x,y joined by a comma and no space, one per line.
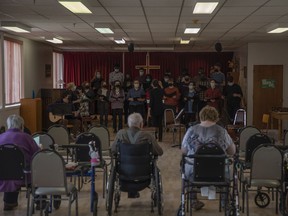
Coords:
11,197
157,122
102,117
137,109
117,113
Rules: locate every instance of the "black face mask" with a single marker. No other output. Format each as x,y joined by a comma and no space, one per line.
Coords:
170,84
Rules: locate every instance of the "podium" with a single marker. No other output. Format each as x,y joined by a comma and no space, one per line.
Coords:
31,112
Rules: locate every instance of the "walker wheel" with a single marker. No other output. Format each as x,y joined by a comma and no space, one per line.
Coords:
262,200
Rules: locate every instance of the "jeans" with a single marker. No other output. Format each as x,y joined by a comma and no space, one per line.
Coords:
119,113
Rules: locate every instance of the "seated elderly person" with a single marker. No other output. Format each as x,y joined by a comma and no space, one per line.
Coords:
25,142
205,132
135,123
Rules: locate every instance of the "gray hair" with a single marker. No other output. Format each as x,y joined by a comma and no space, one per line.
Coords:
15,121
135,120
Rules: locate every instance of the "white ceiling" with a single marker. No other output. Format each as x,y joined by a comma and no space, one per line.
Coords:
149,23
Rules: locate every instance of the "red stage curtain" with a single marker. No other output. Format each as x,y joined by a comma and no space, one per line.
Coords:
80,66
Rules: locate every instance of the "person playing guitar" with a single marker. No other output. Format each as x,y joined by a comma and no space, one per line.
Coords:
68,116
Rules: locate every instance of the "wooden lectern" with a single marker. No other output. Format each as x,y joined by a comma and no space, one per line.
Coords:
31,112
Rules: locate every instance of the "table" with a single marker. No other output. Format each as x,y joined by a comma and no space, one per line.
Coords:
280,116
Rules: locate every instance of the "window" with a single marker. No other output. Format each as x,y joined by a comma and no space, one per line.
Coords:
12,72
58,63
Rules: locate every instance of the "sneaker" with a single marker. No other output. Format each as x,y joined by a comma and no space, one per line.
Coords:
197,205
10,206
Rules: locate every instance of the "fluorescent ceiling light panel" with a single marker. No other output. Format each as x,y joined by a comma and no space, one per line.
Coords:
204,7
278,30
120,41
75,6
192,30
16,27
55,41
105,30
184,41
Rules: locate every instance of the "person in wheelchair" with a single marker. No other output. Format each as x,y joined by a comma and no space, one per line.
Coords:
205,132
134,135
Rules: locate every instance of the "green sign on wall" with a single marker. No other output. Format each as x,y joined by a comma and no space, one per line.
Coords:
267,83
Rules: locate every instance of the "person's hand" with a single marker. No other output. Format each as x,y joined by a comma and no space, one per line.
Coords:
130,99
212,100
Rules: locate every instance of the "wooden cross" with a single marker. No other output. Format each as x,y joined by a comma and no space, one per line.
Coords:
148,67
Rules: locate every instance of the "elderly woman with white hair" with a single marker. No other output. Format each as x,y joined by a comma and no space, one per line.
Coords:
25,142
135,123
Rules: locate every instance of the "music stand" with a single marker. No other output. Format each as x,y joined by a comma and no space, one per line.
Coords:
178,125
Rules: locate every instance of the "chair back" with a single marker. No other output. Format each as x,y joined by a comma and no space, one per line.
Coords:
45,139
169,117
209,164
285,140
253,142
103,134
267,163
134,161
12,163
82,153
240,117
59,133
245,134
48,170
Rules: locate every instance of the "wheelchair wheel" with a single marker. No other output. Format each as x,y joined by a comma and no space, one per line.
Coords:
262,200
95,204
159,191
179,212
110,191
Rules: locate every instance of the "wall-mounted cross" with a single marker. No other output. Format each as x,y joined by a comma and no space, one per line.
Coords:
148,67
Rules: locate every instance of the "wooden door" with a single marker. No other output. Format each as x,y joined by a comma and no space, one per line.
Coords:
267,91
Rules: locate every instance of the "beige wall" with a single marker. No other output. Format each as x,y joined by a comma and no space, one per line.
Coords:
266,54
35,56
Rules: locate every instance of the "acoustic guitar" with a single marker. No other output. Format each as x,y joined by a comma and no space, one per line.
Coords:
55,118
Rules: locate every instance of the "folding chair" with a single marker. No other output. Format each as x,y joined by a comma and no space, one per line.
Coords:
44,140
265,173
103,134
59,133
13,166
47,163
172,122
240,117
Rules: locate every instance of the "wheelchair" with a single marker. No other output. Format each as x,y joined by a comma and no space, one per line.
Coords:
134,168
210,165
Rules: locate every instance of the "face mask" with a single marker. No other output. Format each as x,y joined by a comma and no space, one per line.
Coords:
170,84
104,86
136,85
166,79
141,73
117,84
212,85
216,70
116,70
148,80
230,83
73,88
98,76
191,87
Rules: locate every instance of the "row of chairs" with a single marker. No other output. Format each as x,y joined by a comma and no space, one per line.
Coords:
45,161
260,165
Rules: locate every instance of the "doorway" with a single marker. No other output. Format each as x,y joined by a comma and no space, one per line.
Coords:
267,91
